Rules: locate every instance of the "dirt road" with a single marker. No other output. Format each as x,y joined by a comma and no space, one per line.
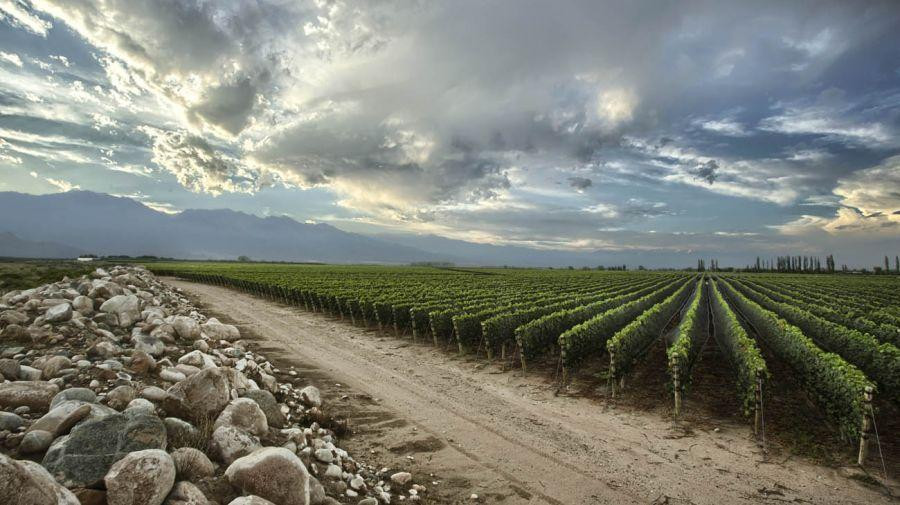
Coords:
507,437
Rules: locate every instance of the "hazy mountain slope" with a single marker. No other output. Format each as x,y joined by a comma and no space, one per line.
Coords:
12,246
107,225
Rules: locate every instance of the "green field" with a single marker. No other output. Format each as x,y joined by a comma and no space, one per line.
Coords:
837,334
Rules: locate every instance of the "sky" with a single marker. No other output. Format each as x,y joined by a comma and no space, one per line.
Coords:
759,127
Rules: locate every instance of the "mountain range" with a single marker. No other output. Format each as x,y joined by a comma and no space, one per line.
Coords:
62,225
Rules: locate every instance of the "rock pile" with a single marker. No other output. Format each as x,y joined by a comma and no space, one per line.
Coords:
115,389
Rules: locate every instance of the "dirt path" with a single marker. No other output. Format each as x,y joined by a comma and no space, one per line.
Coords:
507,437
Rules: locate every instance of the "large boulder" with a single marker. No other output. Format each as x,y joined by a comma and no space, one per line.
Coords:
185,493
200,396
244,414
28,483
58,313
82,458
83,305
273,473
229,443
62,418
104,289
127,309
191,464
140,478
83,394
269,406
33,394
215,330
187,328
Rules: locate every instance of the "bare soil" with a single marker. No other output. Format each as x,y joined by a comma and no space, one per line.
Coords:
463,426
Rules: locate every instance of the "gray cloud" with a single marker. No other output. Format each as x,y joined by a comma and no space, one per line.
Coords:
461,115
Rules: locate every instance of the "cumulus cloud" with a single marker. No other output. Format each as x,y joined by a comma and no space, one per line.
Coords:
197,165
12,58
869,202
17,14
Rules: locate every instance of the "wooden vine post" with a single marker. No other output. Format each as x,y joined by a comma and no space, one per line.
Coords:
612,373
866,426
757,406
676,384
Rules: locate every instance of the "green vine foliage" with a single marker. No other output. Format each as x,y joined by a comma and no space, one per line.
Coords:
836,386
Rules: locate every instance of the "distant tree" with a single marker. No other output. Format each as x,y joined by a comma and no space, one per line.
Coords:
641,267
887,265
601,267
243,258
897,264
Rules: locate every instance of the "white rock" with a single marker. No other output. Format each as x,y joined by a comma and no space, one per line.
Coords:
401,478
186,328
127,309
58,313
218,331
31,484
140,478
311,396
229,443
244,414
198,359
273,473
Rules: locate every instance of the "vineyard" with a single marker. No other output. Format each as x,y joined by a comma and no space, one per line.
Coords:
833,337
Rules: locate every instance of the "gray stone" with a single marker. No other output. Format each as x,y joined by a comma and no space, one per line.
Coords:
154,394
244,414
53,364
28,373
127,309
197,359
401,478
58,313
149,344
215,330
82,458
10,421
229,443
9,368
316,491
169,374
185,493
180,432
141,405
62,418
273,473
269,406
83,305
202,395
140,478
142,362
14,332
14,317
311,397
30,484
83,394
186,328
33,394
250,500
120,397
192,465
35,441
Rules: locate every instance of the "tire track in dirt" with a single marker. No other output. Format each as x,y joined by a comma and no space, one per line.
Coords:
511,439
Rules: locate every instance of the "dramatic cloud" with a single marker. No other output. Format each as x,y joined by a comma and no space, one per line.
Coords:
551,124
